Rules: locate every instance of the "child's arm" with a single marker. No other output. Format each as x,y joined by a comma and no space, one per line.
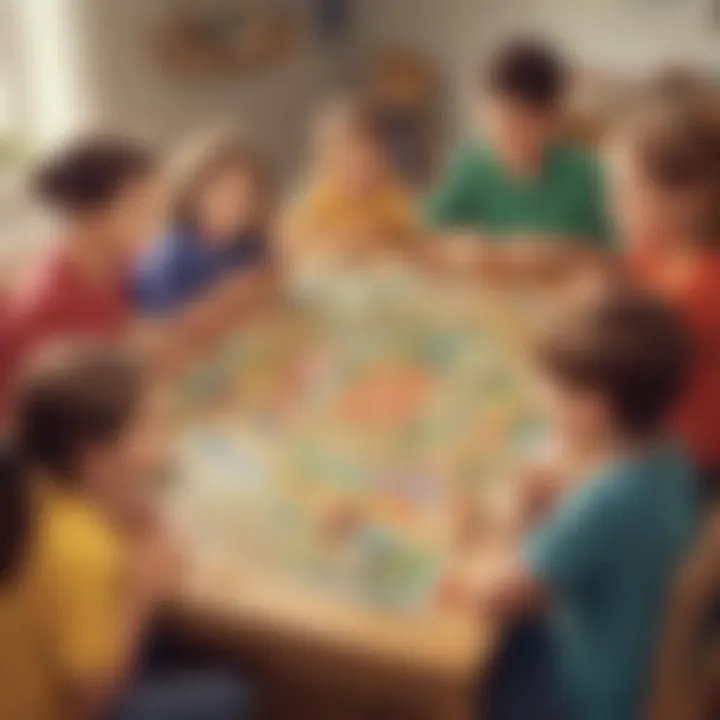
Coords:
173,338
463,252
558,557
102,628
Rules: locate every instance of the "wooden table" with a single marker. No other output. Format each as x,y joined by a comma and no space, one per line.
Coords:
425,664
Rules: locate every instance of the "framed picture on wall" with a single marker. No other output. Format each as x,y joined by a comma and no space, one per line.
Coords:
201,38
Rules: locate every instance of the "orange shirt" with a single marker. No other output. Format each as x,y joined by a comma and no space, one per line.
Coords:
691,283
325,217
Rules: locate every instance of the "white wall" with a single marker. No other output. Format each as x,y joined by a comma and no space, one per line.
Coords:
126,89
627,36
99,51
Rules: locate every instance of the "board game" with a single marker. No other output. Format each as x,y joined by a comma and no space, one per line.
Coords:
332,444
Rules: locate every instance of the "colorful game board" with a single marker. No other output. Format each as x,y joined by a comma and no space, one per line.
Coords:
330,444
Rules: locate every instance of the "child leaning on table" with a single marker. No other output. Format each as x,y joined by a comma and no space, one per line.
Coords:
84,561
352,206
521,199
666,179
213,264
599,564
106,198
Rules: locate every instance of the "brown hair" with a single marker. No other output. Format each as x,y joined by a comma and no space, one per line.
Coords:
677,145
628,347
88,173
529,71
207,155
75,398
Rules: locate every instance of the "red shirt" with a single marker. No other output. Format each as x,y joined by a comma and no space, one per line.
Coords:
692,285
58,301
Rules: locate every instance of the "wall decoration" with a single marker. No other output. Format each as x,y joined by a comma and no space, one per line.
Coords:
404,88
202,38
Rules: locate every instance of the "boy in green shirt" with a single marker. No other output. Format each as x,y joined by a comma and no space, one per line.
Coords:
522,186
600,564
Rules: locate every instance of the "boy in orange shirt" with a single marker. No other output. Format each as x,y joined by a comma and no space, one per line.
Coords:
666,182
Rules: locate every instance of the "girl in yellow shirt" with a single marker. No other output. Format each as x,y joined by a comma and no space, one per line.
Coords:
83,564
352,206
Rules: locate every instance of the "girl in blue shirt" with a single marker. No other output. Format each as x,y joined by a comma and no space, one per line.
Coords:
216,248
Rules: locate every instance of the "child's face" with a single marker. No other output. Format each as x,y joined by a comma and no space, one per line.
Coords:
358,163
579,418
227,204
132,219
519,134
641,213
124,474
647,216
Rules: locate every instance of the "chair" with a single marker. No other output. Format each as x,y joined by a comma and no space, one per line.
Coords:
686,683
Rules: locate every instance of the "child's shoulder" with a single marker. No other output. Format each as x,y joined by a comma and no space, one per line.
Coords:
470,155
39,289
164,254
310,196
578,160
72,539
629,482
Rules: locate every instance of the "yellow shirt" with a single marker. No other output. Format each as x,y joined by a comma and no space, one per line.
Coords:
325,216
59,613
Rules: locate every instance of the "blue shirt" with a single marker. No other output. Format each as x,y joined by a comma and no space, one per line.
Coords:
181,267
607,557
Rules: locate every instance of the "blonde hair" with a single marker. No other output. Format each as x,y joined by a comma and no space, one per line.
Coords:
206,155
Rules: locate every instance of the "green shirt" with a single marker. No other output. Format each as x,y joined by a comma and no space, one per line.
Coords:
564,201
607,557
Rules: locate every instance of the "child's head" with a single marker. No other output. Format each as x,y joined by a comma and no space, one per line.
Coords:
107,189
349,146
86,417
523,92
222,188
665,168
615,368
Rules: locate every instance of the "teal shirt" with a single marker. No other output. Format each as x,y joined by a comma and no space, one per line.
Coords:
565,201
607,557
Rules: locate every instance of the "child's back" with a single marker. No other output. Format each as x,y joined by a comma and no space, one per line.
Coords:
608,555
602,562
56,628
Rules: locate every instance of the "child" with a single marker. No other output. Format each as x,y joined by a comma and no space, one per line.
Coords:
83,562
602,560
105,192
220,228
353,206
522,196
666,179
